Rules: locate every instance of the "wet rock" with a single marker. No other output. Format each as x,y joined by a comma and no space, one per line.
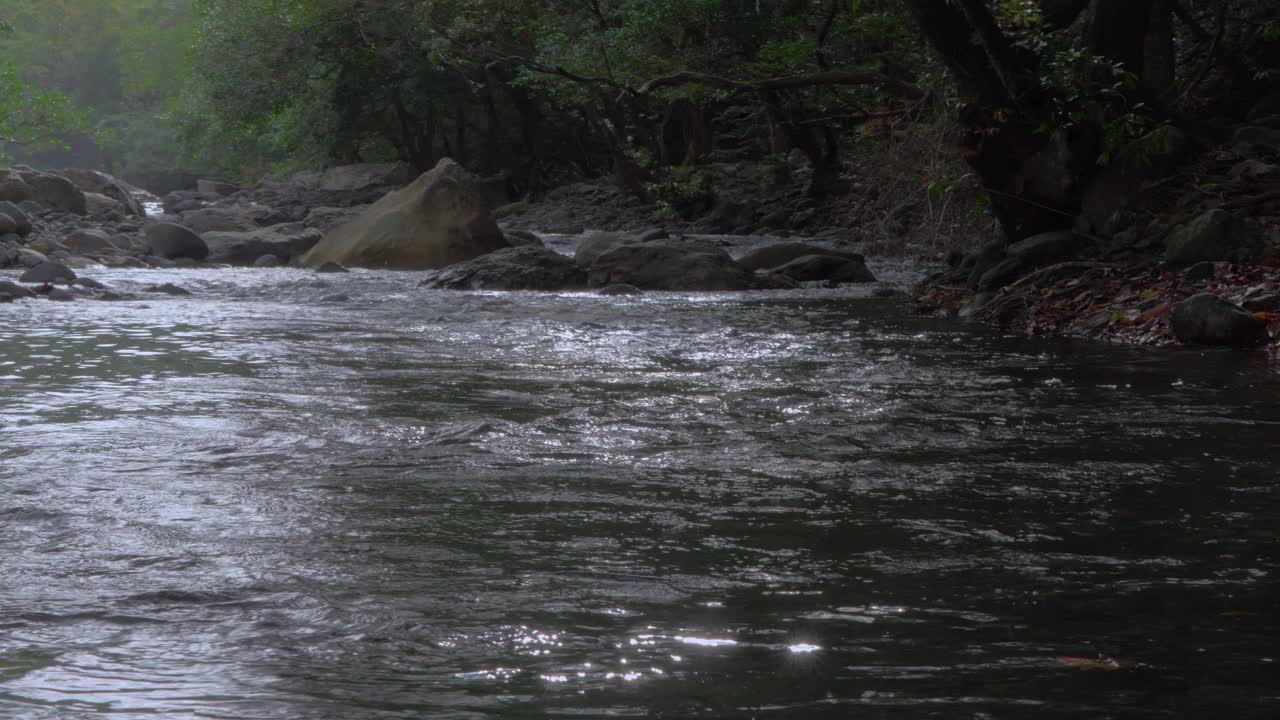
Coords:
522,238
652,234
49,272
15,290
168,289
1207,319
669,266
8,226
267,261
88,242
331,267
826,268
510,210
1028,255
620,289
1199,273
520,268
336,298
1215,235
983,261
779,254
286,241
439,220
60,294
90,283
170,241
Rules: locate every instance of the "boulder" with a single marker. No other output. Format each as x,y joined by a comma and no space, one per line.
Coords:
827,268
29,258
13,188
180,201
596,244
268,261
1207,319
103,206
19,217
669,266
517,268
331,268
104,185
168,289
8,226
88,242
285,241
779,254
170,241
1246,139
14,290
49,272
220,219
1215,235
439,220
652,234
325,219
1027,255
216,187
55,191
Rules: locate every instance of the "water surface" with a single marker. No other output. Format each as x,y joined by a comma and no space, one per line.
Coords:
258,503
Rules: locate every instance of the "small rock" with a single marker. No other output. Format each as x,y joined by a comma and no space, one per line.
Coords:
15,290
331,267
1200,272
90,283
49,272
168,289
1207,319
60,294
267,261
336,298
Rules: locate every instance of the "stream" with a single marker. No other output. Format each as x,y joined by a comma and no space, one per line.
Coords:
265,501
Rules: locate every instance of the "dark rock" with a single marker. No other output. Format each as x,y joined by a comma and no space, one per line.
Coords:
13,188
8,226
168,289
15,290
775,256
1026,256
336,298
1200,272
219,219
1263,303
60,294
156,261
105,186
666,265
1247,139
620,289
90,283
1207,319
520,268
55,191
521,238
267,261
331,267
325,219
29,258
171,241
49,272
1215,235
1004,273
829,268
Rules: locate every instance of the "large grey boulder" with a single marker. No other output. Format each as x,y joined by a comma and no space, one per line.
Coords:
285,241
13,188
219,219
666,265
1214,235
49,272
779,254
100,183
439,220
517,268
826,268
88,242
18,215
216,187
171,241
55,191
1207,319
596,244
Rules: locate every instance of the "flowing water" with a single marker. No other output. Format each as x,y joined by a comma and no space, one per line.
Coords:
259,503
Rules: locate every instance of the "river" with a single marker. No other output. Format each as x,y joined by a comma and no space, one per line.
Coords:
260,503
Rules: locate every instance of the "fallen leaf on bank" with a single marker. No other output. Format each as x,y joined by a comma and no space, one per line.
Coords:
1088,665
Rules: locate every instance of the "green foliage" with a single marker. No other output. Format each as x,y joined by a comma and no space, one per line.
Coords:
682,193
32,118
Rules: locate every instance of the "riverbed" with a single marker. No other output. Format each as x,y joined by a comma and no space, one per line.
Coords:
301,496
